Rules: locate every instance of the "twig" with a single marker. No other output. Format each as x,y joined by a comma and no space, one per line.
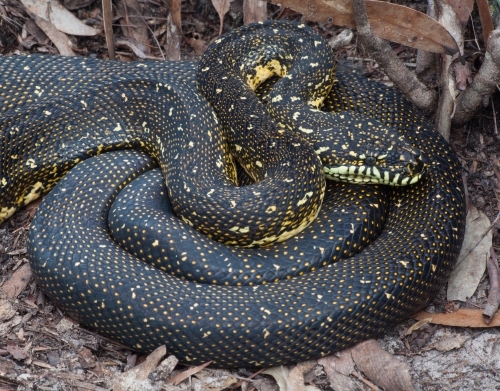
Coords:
483,84
372,386
447,81
495,129
381,51
107,17
235,386
496,169
494,296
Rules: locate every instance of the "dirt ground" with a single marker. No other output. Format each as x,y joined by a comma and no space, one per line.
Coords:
40,349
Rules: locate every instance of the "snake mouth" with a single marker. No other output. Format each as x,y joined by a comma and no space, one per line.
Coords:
372,175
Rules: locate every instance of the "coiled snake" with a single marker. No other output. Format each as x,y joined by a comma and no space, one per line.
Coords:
58,111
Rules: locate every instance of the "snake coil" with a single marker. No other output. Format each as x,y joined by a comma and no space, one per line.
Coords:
59,111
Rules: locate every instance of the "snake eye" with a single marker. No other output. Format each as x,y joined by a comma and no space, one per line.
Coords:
370,161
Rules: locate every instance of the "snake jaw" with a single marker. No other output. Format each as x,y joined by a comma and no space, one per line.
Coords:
377,174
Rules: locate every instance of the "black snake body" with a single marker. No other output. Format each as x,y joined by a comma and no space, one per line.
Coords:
305,316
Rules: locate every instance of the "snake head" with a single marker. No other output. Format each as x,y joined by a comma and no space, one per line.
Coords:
368,152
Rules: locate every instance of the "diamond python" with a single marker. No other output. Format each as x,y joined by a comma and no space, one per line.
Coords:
58,111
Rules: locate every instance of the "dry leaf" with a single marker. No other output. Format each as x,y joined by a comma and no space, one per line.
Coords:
448,343
65,324
63,20
133,24
17,282
291,380
222,7
342,39
296,377
462,8
214,380
382,368
17,352
338,369
265,384
280,374
389,21
175,380
418,325
486,20
7,311
470,268
464,317
86,359
59,39
137,48
137,378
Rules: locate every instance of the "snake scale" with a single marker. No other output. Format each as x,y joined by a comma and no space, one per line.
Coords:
59,111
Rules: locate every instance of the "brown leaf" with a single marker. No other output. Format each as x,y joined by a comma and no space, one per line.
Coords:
199,45
485,17
213,380
17,352
417,326
338,369
448,343
59,39
86,359
292,380
138,376
222,7
138,49
133,24
296,375
51,11
381,367
7,311
175,380
472,259
389,21
464,317
18,281
462,8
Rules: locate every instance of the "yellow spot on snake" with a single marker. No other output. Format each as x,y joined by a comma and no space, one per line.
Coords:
31,163
321,150
305,130
308,195
271,209
5,213
33,194
264,72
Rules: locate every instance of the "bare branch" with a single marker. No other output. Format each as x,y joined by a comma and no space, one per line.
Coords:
484,84
404,80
